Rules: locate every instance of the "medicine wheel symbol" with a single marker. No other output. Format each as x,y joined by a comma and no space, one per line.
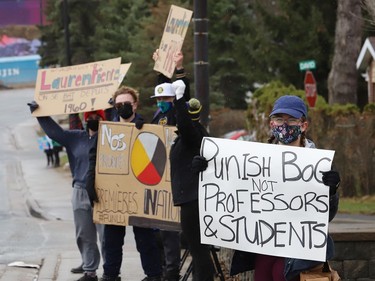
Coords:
148,158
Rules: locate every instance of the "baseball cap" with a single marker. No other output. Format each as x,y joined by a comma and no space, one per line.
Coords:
98,112
291,105
164,90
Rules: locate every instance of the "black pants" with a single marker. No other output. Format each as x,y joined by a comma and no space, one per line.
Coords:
203,269
146,245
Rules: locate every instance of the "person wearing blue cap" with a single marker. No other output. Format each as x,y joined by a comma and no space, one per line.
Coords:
288,123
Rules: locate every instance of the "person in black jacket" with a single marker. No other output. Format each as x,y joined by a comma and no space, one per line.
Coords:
185,183
125,103
166,115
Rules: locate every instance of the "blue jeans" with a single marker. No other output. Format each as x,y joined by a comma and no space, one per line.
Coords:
146,245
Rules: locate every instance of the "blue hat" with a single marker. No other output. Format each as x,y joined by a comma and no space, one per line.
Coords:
291,105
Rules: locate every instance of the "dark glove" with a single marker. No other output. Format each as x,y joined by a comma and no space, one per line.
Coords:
33,106
331,179
90,187
139,123
111,101
199,164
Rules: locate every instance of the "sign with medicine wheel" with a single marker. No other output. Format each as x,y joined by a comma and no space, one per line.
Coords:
310,88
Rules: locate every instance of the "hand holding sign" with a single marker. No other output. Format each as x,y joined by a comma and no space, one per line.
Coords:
199,164
331,179
33,106
172,40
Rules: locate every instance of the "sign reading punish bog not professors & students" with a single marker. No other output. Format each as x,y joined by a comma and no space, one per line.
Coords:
265,198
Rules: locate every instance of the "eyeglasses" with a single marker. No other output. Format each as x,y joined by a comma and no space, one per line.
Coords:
121,104
280,121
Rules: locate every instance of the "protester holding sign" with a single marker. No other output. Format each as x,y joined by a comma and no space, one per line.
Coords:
125,103
166,115
185,183
288,123
77,144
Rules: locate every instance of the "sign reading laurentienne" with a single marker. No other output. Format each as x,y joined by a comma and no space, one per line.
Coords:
133,176
77,88
265,198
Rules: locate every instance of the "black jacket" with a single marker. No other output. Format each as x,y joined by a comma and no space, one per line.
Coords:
186,146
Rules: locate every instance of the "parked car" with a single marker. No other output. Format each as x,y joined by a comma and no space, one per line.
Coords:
241,134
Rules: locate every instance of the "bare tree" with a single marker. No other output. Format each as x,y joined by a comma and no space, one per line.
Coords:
342,79
369,5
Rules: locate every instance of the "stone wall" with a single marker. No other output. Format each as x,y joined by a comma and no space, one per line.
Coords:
354,258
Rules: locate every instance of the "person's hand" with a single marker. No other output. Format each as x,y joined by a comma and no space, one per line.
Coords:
199,164
139,123
111,101
90,187
155,55
178,58
33,106
179,88
331,179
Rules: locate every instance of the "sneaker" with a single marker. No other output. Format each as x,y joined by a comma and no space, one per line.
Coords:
106,278
78,269
154,278
87,277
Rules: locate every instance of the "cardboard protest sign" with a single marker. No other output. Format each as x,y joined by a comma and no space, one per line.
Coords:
173,37
123,70
133,176
265,198
77,88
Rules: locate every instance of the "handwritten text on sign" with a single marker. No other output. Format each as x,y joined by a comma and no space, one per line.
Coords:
265,198
133,176
77,88
173,37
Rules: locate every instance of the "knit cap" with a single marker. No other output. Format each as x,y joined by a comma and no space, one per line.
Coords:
194,109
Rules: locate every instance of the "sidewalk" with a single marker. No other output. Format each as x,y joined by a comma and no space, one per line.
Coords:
49,192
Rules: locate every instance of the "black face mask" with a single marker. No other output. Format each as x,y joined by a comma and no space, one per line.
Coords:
125,110
93,125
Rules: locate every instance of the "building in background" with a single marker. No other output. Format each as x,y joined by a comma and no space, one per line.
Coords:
19,59
22,12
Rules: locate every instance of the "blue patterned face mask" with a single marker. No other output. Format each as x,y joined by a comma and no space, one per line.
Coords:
164,105
285,133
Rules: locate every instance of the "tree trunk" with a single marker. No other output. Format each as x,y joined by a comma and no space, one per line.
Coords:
342,79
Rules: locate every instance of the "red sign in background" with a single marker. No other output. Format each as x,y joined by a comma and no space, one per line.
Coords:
310,88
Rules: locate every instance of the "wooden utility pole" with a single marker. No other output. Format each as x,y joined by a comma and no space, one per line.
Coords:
66,32
201,58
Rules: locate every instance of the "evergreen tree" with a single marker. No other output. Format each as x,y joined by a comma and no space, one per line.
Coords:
293,32
81,24
51,52
228,57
